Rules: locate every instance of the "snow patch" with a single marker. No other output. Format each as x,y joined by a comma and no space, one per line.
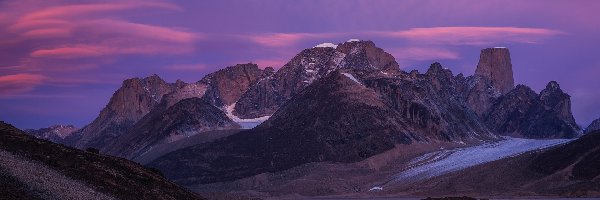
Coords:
352,78
446,161
327,44
499,47
245,123
376,189
353,40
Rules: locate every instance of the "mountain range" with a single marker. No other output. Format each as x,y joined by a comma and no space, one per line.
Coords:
346,110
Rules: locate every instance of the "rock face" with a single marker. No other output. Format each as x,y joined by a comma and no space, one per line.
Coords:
31,168
522,112
493,78
495,65
56,133
130,103
431,103
227,85
265,97
594,126
186,118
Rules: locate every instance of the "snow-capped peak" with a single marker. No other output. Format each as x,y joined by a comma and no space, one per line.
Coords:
327,44
499,47
353,40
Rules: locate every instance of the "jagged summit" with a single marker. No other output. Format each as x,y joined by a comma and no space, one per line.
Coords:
594,126
495,65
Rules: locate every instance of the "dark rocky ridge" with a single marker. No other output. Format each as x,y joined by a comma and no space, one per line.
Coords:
116,177
430,105
55,133
522,112
186,118
130,103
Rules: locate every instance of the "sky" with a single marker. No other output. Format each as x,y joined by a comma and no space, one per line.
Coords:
60,61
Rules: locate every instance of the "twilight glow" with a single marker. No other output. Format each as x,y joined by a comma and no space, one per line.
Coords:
60,61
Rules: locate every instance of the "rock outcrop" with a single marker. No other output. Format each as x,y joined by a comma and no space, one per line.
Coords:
186,118
493,78
594,126
130,103
55,133
31,168
495,65
522,112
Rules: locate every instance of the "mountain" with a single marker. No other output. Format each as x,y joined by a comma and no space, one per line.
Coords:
130,103
337,118
271,92
31,168
594,126
570,170
186,118
523,113
55,133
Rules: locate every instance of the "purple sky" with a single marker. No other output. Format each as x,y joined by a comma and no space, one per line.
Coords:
61,61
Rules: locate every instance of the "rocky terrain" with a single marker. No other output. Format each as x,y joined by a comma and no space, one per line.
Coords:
31,168
55,133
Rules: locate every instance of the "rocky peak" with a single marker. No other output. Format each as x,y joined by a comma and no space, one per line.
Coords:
364,55
130,103
227,85
594,126
54,133
495,65
522,112
555,99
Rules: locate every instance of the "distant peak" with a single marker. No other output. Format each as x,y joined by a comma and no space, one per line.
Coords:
553,85
353,40
326,45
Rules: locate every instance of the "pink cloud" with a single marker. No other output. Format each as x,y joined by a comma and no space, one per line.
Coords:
19,83
424,53
88,9
141,31
47,33
84,31
474,35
